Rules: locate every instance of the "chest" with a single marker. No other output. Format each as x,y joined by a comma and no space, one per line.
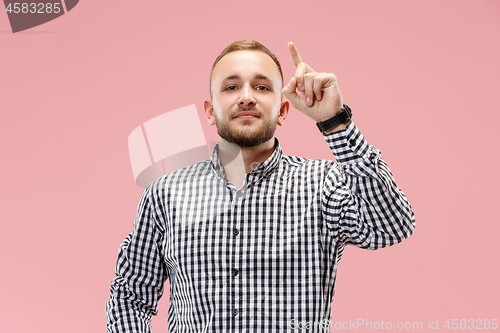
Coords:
275,224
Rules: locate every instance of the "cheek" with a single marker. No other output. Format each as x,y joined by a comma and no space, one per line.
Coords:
276,107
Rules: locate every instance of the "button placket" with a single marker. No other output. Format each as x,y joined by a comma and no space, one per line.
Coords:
236,253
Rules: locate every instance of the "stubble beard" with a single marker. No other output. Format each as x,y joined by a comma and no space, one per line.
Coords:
244,139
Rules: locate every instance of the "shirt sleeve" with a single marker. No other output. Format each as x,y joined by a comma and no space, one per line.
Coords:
361,202
140,271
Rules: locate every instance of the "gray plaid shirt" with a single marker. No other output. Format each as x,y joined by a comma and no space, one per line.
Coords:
262,258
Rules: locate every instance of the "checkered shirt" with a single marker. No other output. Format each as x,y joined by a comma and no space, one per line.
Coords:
262,258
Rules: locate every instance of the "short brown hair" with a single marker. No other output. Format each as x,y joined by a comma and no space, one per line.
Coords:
245,44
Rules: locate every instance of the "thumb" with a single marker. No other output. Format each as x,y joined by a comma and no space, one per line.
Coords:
289,91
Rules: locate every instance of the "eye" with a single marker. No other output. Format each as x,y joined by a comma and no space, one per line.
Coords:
262,88
230,88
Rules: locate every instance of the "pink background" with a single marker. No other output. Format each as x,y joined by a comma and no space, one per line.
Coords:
422,78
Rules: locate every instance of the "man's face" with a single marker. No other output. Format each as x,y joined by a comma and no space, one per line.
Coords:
246,101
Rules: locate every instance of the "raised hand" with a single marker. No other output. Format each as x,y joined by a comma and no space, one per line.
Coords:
315,94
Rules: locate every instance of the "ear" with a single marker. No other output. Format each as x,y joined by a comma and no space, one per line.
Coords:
285,106
209,111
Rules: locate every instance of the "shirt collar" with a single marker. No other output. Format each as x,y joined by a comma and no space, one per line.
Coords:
263,169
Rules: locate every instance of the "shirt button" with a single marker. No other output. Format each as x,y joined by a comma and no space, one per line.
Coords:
236,231
235,271
352,142
239,194
235,312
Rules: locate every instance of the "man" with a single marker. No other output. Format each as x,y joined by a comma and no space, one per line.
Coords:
250,240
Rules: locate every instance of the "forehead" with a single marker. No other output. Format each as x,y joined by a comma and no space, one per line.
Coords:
246,64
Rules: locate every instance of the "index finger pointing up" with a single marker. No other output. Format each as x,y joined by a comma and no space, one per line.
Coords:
294,53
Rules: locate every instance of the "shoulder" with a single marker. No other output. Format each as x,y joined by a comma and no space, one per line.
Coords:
318,167
298,162
189,173
164,185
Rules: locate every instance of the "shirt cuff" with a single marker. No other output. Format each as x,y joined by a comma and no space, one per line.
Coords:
348,145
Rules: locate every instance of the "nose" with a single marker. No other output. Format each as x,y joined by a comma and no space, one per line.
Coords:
246,96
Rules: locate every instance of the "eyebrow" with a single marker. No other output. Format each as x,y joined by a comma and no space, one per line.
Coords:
256,77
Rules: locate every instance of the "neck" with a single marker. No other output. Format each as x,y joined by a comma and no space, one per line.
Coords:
238,161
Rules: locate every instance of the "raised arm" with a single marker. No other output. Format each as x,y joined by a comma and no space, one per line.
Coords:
361,202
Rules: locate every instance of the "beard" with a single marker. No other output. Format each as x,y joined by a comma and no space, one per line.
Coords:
242,138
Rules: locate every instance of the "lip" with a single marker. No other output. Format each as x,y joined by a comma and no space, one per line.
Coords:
246,115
